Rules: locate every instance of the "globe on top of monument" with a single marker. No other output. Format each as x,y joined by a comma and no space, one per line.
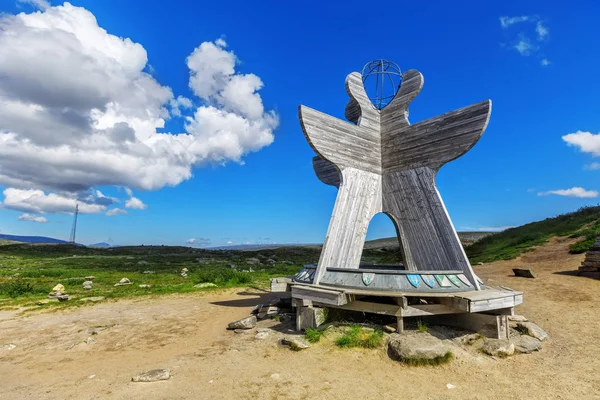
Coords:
381,79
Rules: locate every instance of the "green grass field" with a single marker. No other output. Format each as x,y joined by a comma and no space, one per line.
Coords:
29,272
583,223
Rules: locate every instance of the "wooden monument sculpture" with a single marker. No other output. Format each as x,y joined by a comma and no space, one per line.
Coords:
382,163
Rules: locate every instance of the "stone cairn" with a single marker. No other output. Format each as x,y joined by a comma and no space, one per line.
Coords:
592,258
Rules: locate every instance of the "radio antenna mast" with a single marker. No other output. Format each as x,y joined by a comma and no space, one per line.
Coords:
74,229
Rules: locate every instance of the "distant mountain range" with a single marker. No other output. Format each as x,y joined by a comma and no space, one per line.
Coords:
10,239
101,244
466,238
31,239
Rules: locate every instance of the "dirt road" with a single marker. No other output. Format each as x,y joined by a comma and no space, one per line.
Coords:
52,359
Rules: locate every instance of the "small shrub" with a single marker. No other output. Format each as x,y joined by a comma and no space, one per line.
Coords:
313,335
355,336
422,326
373,340
16,288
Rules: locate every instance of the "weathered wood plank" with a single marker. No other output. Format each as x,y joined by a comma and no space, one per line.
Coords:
317,295
428,309
358,200
327,172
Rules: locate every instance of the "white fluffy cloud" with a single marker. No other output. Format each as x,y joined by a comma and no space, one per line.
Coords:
77,109
587,142
135,203
32,218
573,192
115,211
37,201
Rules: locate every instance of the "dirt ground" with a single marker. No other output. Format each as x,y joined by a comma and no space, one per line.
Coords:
187,335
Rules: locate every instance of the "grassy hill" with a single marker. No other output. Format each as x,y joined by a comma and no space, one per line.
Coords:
583,223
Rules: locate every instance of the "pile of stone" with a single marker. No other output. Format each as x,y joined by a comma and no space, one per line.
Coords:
184,272
123,282
58,293
592,258
278,307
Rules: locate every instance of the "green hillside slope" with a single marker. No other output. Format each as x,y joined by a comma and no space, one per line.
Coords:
583,223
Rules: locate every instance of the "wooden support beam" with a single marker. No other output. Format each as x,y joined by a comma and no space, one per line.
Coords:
428,309
329,297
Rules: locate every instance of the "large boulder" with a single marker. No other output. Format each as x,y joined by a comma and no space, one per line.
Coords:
417,347
526,344
498,347
244,323
533,330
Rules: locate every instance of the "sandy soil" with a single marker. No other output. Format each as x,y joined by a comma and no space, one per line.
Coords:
186,334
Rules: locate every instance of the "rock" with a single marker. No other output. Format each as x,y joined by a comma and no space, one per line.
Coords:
184,272
8,347
46,301
205,285
252,261
517,318
58,288
275,376
268,312
263,330
524,273
145,286
526,344
417,346
232,266
450,386
262,335
389,328
63,297
123,282
531,329
92,299
143,262
256,309
130,258
153,376
93,331
148,272
244,323
295,343
498,347
87,285
471,339
241,331
90,341
89,278
270,261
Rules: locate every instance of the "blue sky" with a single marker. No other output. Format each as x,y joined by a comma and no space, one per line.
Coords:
537,62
